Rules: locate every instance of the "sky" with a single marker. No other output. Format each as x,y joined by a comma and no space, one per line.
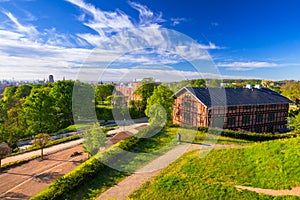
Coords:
170,40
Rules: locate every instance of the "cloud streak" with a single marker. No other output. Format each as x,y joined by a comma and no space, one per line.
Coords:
245,66
25,48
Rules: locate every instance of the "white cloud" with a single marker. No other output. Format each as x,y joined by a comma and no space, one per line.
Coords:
176,21
29,30
146,16
244,66
24,50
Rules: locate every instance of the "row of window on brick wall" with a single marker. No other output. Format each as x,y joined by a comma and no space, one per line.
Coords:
246,119
256,108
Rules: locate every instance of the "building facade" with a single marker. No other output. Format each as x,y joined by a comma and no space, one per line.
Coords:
255,110
126,91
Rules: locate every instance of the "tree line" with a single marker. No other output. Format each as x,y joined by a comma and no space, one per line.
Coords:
30,109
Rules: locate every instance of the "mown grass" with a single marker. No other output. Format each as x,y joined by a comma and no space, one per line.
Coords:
269,165
147,150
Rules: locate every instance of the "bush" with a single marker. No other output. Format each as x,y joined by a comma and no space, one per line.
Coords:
86,172
257,137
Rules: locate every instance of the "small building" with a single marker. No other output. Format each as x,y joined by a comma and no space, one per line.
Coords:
126,91
249,109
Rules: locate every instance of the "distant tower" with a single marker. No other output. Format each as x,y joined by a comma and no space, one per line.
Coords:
51,79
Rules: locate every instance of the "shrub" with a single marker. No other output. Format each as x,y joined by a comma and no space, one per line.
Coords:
257,137
65,185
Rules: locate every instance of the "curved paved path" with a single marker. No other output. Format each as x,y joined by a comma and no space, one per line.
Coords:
293,192
131,183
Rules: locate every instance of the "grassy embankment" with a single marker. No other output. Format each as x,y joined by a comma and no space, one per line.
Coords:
98,177
269,165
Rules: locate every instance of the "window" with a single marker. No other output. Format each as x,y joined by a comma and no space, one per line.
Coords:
261,107
271,117
246,119
270,129
188,96
187,104
258,129
259,118
272,106
186,117
231,108
218,122
247,107
231,121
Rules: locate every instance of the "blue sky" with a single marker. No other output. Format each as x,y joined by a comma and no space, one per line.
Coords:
114,40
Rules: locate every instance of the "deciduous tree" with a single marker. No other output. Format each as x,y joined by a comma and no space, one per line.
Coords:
41,141
94,139
161,99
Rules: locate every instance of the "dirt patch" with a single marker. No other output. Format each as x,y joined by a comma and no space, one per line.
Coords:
26,180
294,191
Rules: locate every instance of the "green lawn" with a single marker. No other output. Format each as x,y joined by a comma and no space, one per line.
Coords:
147,150
269,165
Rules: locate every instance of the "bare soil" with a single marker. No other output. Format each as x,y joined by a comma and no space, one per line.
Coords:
26,180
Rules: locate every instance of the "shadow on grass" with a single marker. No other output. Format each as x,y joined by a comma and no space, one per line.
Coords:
103,181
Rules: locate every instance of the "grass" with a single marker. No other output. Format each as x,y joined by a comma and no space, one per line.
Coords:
151,148
269,165
147,150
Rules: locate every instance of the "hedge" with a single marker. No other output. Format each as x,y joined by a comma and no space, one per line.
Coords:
257,137
65,185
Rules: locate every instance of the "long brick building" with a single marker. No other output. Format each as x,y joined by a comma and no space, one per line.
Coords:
256,110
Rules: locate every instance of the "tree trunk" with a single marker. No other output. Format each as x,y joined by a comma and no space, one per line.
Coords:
42,153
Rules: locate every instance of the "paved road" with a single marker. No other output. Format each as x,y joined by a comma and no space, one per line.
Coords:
48,150
24,181
130,129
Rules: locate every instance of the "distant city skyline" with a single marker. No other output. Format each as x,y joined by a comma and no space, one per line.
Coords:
121,40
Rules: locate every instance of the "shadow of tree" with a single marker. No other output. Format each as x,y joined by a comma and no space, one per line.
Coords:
48,177
14,195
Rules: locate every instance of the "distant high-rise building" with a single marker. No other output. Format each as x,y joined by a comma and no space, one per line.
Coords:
51,79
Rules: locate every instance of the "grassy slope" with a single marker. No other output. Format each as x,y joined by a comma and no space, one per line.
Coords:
162,141
271,165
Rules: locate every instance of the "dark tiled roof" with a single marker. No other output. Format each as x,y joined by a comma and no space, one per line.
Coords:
212,97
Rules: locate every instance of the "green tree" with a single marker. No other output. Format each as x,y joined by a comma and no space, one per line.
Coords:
160,105
145,91
295,123
102,92
291,90
83,101
199,83
62,93
16,121
214,82
23,91
39,111
9,93
94,139
41,141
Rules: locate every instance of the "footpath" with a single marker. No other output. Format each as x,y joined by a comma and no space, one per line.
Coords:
135,181
131,129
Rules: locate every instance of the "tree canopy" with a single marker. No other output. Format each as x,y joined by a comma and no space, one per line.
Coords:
160,104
